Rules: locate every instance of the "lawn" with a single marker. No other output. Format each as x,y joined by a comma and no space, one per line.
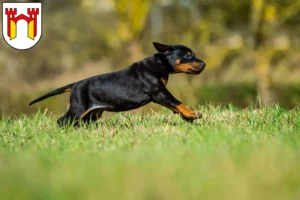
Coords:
229,154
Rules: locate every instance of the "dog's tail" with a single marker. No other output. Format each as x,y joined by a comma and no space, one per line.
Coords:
67,88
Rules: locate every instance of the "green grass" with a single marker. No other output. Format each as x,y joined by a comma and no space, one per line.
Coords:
229,154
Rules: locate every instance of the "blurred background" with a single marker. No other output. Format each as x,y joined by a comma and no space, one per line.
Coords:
251,47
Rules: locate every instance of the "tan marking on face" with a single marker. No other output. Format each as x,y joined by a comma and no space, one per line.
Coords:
184,67
165,81
178,61
68,90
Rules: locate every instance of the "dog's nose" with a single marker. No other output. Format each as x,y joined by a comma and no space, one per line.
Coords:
203,63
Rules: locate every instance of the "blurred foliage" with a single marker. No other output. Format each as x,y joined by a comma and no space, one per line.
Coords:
253,41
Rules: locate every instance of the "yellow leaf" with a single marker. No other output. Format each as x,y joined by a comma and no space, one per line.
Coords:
270,13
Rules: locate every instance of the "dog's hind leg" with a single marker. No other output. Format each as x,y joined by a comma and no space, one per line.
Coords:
67,120
72,117
92,116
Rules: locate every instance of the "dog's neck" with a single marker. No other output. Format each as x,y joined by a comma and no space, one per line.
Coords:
156,64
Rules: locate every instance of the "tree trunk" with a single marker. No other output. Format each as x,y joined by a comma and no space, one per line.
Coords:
263,55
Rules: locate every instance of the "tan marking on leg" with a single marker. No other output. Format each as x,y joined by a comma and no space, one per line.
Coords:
173,109
85,113
187,113
97,111
184,111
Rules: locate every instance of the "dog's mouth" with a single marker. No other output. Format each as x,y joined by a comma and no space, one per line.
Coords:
194,71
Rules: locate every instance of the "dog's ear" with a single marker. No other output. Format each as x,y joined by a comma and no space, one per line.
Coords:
162,48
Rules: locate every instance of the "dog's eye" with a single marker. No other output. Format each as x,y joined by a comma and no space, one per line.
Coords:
188,56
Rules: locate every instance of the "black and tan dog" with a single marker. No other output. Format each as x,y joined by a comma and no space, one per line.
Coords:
135,86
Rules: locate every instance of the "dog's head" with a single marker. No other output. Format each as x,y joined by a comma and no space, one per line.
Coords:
181,58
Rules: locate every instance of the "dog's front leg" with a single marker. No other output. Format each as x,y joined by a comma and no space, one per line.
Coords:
166,99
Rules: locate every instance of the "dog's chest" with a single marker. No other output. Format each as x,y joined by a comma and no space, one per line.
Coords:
164,80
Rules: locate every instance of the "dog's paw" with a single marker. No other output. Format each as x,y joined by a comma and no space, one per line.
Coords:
192,116
198,114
